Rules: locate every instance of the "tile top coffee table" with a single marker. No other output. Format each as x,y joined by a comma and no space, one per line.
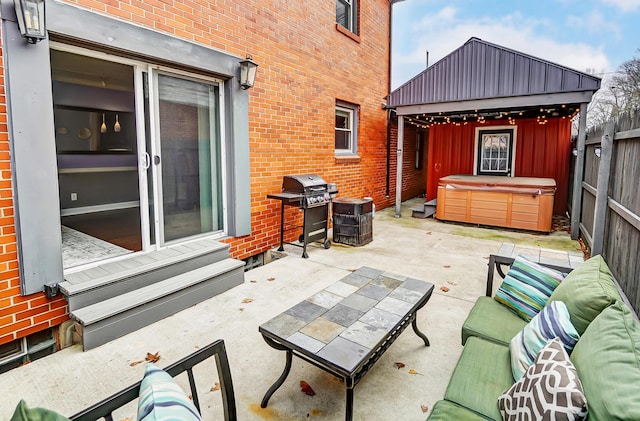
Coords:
345,328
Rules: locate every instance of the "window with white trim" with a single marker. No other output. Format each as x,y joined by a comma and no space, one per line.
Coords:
346,132
347,14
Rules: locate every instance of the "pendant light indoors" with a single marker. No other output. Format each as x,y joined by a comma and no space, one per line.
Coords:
116,127
103,128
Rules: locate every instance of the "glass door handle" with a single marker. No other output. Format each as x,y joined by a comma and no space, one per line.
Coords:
146,161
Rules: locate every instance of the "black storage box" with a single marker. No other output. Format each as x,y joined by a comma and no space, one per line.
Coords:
352,206
352,221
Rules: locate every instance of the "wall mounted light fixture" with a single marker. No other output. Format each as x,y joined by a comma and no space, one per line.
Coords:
248,70
31,19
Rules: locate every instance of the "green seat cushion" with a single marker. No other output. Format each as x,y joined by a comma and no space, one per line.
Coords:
586,291
482,374
448,411
491,320
607,358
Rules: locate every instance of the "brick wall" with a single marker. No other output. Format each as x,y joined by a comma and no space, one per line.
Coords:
306,64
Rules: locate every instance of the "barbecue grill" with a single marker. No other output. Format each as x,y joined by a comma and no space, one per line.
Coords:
313,195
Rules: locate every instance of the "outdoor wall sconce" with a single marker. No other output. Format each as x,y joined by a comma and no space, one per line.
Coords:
248,69
597,151
574,152
30,14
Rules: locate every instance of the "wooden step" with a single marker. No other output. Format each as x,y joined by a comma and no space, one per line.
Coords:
426,210
138,270
112,318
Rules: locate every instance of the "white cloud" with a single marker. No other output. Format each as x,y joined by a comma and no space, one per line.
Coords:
445,32
626,5
594,22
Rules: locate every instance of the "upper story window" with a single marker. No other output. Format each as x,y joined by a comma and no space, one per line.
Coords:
346,129
347,14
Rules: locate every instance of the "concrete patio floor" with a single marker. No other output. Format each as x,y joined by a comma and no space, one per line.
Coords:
448,255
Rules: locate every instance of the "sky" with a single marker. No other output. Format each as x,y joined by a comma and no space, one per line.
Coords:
594,36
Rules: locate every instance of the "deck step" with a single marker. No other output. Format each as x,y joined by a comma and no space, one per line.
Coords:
112,318
138,270
426,210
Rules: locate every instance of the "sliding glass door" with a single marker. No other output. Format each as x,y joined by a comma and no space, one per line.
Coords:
139,151
189,162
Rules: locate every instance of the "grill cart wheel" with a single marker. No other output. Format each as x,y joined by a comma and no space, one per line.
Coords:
327,244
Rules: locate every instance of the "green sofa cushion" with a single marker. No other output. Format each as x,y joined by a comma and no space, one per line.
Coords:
491,320
607,358
482,374
448,411
586,291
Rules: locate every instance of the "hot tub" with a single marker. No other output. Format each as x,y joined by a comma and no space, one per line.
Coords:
513,202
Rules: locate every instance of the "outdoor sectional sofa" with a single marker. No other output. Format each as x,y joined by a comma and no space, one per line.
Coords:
606,356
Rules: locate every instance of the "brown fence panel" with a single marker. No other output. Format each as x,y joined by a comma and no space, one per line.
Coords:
620,243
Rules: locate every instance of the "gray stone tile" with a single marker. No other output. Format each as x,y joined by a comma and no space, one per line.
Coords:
325,299
372,291
306,342
364,334
284,325
322,329
368,272
359,302
395,306
388,282
416,285
408,295
343,353
341,289
394,276
306,311
380,318
343,315
356,280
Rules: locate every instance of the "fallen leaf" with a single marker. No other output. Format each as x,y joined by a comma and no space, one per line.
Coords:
446,266
444,289
486,257
304,386
452,283
253,281
153,357
215,387
271,279
241,309
428,232
399,365
135,363
190,397
412,371
424,408
197,347
247,300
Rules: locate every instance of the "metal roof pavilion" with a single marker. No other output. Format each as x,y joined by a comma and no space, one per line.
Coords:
484,81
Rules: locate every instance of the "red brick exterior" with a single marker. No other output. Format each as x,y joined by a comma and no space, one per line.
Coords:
306,64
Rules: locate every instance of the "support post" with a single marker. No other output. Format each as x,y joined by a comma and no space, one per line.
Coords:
602,188
399,165
576,202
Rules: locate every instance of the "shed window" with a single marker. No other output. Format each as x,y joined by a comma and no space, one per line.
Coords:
495,152
347,14
346,129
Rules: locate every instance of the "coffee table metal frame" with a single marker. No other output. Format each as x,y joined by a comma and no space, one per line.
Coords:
350,378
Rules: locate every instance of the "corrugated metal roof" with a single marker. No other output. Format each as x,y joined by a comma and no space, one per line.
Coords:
480,70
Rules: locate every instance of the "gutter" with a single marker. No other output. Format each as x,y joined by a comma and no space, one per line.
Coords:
388,154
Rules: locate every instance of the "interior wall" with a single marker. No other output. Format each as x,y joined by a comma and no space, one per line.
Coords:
542,150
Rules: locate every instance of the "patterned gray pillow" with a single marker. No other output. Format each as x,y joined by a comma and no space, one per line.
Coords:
549,389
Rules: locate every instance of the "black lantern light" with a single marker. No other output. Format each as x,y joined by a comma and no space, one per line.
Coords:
30,14
248,69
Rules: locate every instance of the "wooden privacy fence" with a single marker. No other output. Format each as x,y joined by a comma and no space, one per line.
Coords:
610,211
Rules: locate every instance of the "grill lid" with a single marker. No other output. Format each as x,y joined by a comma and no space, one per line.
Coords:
303,183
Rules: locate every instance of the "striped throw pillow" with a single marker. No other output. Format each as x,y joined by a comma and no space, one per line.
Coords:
161,398
552,322
527,287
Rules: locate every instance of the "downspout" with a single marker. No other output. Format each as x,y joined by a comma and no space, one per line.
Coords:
388,156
